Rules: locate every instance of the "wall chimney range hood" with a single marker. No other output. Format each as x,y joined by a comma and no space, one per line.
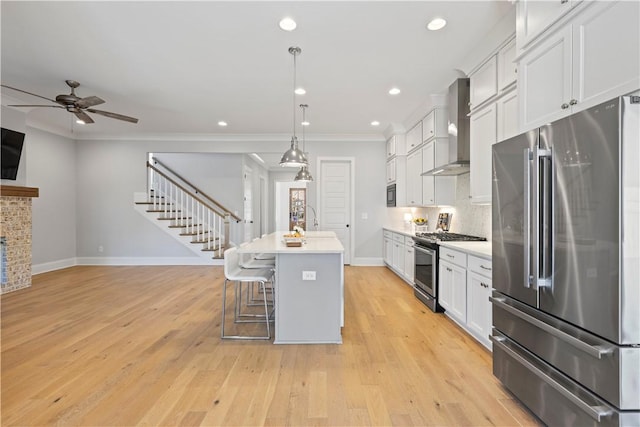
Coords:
458,129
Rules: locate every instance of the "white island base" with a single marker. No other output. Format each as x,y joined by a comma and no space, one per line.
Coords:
307,311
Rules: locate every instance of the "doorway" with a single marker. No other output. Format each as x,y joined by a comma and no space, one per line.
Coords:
335,199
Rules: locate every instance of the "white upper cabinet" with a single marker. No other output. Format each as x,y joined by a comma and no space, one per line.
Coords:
545,81
414,179
434,125
594,57
391,170
606,52
395,146
507,68
535,16
414,137
507,112
484,83
482,136
391,147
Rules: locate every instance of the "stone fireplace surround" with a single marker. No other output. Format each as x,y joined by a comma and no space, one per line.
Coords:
15,228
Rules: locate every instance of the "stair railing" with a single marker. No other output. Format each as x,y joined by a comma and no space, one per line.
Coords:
188,209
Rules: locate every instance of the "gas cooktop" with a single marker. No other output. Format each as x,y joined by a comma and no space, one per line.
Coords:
448,237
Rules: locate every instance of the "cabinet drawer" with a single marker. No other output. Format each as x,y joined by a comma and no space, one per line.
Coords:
454,257
398,238
479,265
387,234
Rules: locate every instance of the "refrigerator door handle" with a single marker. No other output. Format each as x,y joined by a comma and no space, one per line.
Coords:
595,351
595,412
537,221
527,218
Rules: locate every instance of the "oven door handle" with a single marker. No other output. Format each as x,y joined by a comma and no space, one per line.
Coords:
425,250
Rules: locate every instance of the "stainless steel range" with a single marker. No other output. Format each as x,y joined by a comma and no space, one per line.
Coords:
426,274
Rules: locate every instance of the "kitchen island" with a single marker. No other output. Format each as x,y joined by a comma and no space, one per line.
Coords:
309,287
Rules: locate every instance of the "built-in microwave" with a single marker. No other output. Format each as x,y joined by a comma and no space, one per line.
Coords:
391,196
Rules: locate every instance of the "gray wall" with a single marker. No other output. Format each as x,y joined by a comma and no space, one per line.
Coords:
51,164
109,172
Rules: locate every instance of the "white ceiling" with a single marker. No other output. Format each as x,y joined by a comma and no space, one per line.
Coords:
180,67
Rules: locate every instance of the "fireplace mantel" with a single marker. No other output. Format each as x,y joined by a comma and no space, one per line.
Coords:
16,191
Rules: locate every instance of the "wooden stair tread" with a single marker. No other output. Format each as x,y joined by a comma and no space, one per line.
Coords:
160,210
173,218
195,233
184,226
207,240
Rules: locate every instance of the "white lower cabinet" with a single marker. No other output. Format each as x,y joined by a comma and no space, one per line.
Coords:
388,247
399,254
453,283
409,262
465,288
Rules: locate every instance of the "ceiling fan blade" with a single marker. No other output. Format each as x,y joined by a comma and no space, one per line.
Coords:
89,101
48,106
28,93
113,115
83,116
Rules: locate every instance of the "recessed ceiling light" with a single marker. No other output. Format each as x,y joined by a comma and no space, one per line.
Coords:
436,24
222,123
375,123
288,24
305,123
300,91
394,91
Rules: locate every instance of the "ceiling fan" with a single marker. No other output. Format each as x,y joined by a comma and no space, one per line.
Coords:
76,105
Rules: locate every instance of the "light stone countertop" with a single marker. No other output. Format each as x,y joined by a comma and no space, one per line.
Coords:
407,231
316,242
480,249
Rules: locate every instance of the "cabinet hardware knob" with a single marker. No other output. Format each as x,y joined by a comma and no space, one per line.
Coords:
563,1
485,268
573,102
564,106
450,256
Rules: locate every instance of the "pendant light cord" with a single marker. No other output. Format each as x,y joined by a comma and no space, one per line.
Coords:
294,94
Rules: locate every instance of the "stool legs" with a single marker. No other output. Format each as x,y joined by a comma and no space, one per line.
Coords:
238,316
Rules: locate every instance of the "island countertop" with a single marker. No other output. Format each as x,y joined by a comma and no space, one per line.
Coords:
318,242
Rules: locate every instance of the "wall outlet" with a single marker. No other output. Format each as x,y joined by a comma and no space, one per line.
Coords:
308,275
365,215
100,249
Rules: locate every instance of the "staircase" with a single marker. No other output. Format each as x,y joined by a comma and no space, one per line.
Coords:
183,211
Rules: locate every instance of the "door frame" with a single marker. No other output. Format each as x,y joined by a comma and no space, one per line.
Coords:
352,195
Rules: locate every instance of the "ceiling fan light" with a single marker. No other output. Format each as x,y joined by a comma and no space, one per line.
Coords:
303,175
80,122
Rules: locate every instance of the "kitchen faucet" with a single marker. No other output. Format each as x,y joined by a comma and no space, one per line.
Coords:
315,218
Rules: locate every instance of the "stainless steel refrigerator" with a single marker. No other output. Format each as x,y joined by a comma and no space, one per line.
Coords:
566,275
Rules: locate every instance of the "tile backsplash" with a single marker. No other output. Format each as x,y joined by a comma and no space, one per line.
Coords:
467,218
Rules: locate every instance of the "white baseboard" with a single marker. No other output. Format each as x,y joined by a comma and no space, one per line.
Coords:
148,261
367,262
53,265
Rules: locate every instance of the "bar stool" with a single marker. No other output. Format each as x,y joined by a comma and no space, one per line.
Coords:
263,257
248,261
234,273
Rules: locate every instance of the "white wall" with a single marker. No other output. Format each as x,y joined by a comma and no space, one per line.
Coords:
51,165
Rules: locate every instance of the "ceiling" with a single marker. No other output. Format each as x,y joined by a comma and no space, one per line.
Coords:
180,67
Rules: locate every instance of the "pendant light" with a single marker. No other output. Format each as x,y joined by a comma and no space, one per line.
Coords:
303,174
293,157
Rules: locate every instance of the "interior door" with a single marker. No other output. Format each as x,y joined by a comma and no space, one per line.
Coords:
335,201
510,218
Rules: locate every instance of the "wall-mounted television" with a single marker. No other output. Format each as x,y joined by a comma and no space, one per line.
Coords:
12,142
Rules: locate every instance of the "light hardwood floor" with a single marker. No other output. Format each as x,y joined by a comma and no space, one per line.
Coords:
119,346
